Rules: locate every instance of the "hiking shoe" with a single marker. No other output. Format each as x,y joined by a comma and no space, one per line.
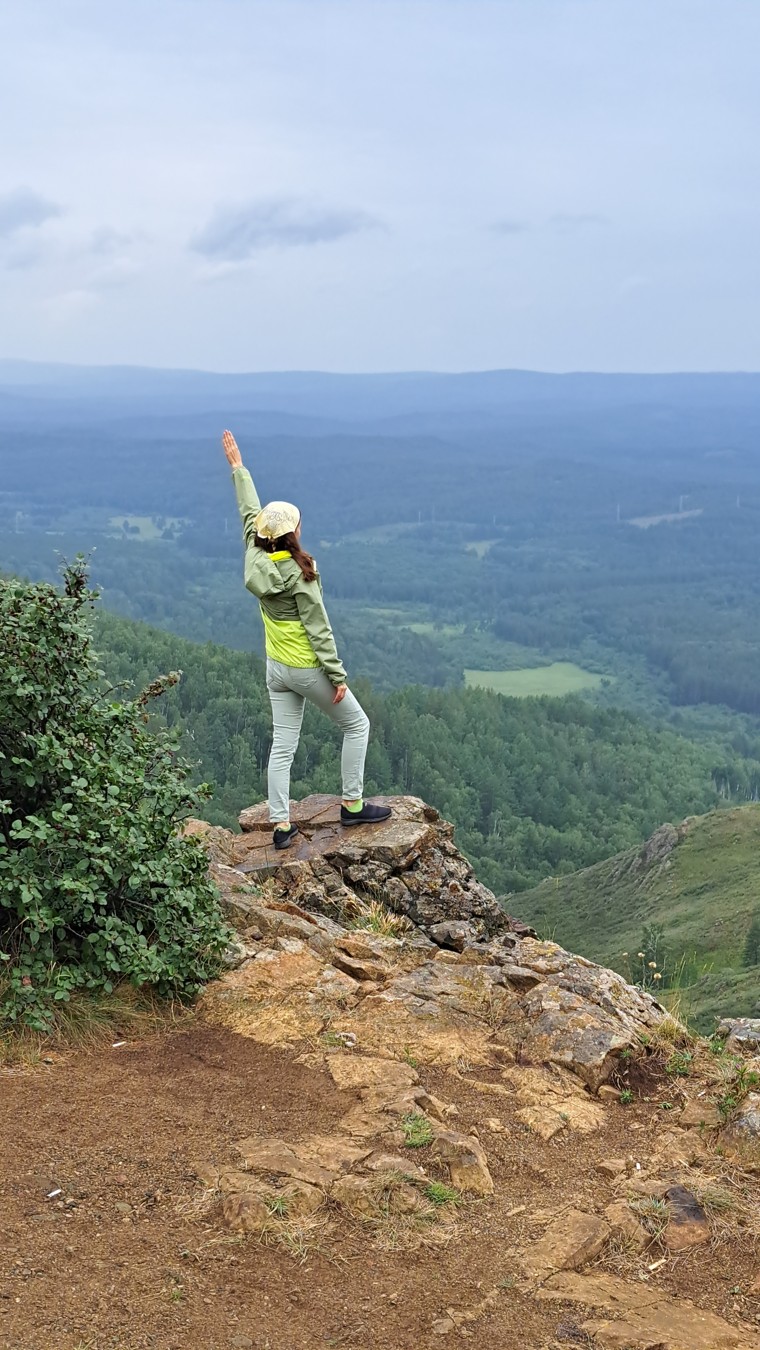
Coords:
369,815
284,838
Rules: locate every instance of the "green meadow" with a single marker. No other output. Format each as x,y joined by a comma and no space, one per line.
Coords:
562,677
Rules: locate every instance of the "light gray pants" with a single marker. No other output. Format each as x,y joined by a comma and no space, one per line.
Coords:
289,687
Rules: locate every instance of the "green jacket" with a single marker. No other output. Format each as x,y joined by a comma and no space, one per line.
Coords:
298,631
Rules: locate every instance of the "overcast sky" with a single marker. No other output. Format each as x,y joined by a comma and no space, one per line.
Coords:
381,184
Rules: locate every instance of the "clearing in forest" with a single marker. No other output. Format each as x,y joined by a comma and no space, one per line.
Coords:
562,677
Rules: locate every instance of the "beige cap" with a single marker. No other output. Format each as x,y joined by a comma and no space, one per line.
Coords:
276,519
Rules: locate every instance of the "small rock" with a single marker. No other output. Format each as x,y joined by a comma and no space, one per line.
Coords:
741,1033
376,972
234,955
611,1167
631,1315
363,1071
687,1224
574,1239
625,1227
392,1162
746,1123
454,935
494,1125
699,1112
241,1342
466,1161
608,1093
433,1106
443,1326
542,1120
123,1207
245,1212
363,1197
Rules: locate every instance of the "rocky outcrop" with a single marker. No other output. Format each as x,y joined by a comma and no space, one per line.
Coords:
377,957
410,863
742,1034
450,974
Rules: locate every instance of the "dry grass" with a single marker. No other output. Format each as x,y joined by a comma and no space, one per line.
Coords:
732,1205
376,918
86,1021
400,1215
300,1237
671,1033
490,1002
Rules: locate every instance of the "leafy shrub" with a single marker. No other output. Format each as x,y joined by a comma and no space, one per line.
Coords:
96,885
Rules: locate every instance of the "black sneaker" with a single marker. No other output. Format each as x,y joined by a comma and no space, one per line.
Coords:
369,815
284,838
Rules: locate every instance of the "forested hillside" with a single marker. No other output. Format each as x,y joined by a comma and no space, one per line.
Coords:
535,787
691,903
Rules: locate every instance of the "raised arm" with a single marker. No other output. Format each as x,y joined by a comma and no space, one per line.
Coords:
247,499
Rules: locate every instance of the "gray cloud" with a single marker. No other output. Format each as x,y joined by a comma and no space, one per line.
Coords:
510,227
569,223
563,222
234,233
24,208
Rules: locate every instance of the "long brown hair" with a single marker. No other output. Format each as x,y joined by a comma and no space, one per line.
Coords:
290,544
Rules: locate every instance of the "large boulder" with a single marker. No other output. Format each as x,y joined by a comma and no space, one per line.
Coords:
409,861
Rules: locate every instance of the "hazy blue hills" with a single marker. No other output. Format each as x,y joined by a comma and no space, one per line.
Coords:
361,397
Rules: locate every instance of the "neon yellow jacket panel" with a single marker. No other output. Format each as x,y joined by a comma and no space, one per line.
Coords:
296,625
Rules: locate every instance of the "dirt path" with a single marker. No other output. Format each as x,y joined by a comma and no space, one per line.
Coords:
119,1260
110,1264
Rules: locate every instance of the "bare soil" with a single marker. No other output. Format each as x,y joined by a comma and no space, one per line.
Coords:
103,1247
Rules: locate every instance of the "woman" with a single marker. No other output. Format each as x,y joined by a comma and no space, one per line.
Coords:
302,660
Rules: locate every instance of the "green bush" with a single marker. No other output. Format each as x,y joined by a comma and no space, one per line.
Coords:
96,884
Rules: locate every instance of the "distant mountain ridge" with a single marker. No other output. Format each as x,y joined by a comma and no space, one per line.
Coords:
355,397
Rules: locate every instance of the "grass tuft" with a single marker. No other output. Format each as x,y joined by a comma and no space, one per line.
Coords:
441,1194
652,1212
418,1131
376,918
679,1065
278,1206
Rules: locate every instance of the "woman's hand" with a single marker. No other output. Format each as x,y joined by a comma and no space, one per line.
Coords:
340,693
230,447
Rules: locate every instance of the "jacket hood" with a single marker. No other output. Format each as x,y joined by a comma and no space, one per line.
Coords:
264,576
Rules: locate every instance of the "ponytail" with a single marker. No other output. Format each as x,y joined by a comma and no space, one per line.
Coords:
289,543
